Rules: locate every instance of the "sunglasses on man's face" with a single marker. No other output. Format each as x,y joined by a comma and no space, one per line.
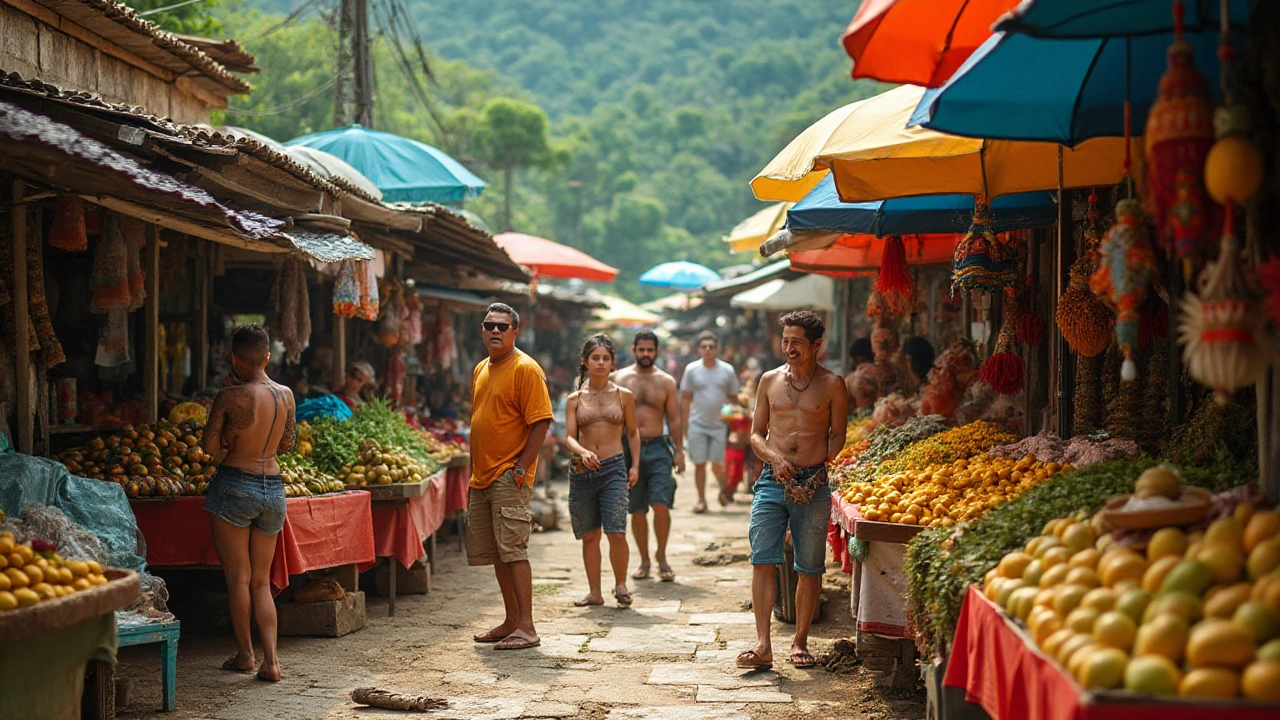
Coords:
707,347
499,326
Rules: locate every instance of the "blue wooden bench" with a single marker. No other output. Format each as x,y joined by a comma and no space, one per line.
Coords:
167,635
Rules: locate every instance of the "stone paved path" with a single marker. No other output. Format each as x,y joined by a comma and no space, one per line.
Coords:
669,657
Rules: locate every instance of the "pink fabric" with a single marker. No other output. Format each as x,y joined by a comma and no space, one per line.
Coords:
400,528
457,489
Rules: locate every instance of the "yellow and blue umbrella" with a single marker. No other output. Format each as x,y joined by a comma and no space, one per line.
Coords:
1109,18
748,234
1017,87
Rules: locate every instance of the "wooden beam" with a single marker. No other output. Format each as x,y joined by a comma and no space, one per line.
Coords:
21,320
339,350
151,318
224,236
204,257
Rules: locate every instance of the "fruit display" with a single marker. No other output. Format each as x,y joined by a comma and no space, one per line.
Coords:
378,464
1191,614
958,443
150,460
183,412
34,572
340,447
443,450
879,444
855,443
303,479
942,495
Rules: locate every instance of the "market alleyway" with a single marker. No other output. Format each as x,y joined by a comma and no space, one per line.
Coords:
670,656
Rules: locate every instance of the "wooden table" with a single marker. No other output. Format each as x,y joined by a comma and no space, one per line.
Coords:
406,517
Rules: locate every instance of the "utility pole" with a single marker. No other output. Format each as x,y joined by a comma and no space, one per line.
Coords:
363,65
353,93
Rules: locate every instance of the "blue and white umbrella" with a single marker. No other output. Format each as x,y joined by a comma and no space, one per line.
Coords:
679,275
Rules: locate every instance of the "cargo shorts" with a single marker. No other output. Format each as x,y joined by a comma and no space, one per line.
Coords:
499,521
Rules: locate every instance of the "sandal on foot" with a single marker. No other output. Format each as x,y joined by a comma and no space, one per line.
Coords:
802,659
624,598
230,665
487,637
641,574
517,642
667,575
586,602
700,508
751,660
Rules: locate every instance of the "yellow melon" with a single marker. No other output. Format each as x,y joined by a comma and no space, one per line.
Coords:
1224,559
1103,669
1164,635
1261,681
1210,682
1114,629
1262,526
1154,576
1153,675
1222,600
1165,542
1219,643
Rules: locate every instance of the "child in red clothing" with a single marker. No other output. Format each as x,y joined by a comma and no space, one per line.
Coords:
735,454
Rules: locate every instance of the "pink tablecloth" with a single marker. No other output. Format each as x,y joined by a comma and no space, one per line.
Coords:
400,527
457,481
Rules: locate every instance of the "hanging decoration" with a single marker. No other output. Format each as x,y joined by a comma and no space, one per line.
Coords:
346,290
134,231
368,280
1030,324
68,231
391,315
290,318
1126,266
1178,135
1003,370
893,281
43,334
411,331
109,278
1085,321
982,260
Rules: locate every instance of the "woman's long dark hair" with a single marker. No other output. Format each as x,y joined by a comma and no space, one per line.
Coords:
599,340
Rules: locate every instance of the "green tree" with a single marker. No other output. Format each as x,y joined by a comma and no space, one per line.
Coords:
194,19
512,135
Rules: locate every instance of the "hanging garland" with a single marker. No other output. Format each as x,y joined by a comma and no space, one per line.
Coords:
1085,321
982,260
1127,265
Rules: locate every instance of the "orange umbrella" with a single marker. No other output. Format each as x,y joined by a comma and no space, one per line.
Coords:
918,42
547,258
860,255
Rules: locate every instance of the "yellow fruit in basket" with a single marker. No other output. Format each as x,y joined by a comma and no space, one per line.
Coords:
1219,643
1118,565
81,584
26,597
1243,512
1124,586
1259,619
1104,540
1263,558
1158,481
1157,571
1044,598
44,590
1210,682
1055,556
1032,573
1013,564
35,574
1225,529
5,582
1261,681
97,580
1262,526
94,567
6,544
1189,576
1221,601
7,601
1184,605
1103,669
1051,527
1268,590
1077,659
17,578
1164,635
992,588
1166,542
1114,629
1038,617
1054,576
1101,599
1224,560
65,576
1078,536
1085,558
1034,544
1133,602
1068,598
1082,619
1054,642
1153,675
1085,576
1073,645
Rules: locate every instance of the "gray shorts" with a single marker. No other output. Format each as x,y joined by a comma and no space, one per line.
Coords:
598,498
656,485
706,444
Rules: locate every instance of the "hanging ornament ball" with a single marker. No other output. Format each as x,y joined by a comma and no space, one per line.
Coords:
1233,170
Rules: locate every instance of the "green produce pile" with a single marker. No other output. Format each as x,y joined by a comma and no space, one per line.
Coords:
882,444
941,564
339,445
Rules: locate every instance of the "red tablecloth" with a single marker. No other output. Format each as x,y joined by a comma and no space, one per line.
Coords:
399,528
998,668
457,489
319,532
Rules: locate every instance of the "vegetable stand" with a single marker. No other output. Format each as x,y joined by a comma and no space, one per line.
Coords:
404,521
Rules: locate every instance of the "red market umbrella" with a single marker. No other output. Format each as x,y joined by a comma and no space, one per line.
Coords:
546,258
861,255
918,42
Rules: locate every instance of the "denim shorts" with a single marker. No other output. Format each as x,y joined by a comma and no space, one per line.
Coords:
706,444
242,498
771,515
657,485
598,498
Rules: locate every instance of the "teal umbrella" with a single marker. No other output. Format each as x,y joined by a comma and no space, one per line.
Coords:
679,275
404,170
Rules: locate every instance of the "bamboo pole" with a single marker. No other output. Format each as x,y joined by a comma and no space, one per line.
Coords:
151,313
21,320
339,350
203,269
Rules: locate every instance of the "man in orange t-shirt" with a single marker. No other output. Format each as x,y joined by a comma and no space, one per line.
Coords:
510,415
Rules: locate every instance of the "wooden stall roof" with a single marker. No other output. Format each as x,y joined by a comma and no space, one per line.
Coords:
122,26
227,53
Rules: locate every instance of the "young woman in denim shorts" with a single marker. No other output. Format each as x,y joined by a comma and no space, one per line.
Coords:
599,417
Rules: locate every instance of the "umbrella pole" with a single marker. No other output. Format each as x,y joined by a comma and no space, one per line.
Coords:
1061,361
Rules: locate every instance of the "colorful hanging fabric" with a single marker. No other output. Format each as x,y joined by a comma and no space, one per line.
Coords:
1030,324
1003,370
1126,266
411,331
1178,135
134,231
68,231
109,278
38,304
290,318
390,314
346,290
982,260
367,309
893,281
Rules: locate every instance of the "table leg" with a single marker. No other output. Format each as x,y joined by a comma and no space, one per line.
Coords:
431,554
391,585
98,699
169,671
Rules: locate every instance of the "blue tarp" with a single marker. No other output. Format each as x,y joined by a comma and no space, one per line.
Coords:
822,210
404,170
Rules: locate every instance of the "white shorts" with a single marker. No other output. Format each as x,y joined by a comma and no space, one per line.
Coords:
706,444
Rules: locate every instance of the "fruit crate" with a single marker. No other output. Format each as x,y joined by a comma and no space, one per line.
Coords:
120,590
459,461
400,491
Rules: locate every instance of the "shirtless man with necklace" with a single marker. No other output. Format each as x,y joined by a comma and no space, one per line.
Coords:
661,449
799,426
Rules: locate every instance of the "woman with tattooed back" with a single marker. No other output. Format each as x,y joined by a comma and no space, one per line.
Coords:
251,422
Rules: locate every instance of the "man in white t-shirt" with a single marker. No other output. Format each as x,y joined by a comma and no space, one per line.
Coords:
707,385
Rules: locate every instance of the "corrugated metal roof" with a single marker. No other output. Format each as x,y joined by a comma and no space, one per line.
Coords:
327,247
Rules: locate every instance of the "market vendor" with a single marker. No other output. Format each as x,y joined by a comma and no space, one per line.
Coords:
359,376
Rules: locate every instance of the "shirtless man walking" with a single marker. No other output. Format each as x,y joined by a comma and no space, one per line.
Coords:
251,422
656,399
798,427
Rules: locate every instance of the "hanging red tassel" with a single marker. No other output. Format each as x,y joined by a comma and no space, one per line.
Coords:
1178,136
1030,329
893,282
1003,371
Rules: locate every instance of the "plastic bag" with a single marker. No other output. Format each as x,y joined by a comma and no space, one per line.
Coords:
346,290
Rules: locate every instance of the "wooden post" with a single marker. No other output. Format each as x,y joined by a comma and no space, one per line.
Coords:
21,321
1062,364
339,350
204,261
151,317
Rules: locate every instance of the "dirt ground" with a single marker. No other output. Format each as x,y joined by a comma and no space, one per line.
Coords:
669,657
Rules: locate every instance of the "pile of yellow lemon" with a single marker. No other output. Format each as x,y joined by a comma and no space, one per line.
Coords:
1194,615
942,495
28,577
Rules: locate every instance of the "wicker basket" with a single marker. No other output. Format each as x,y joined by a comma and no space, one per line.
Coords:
120,590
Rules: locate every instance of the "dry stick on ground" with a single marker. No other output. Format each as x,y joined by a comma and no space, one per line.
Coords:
396,701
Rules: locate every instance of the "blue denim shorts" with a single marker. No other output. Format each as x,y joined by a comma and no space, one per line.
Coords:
771,515
242,498
657,484
598,498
